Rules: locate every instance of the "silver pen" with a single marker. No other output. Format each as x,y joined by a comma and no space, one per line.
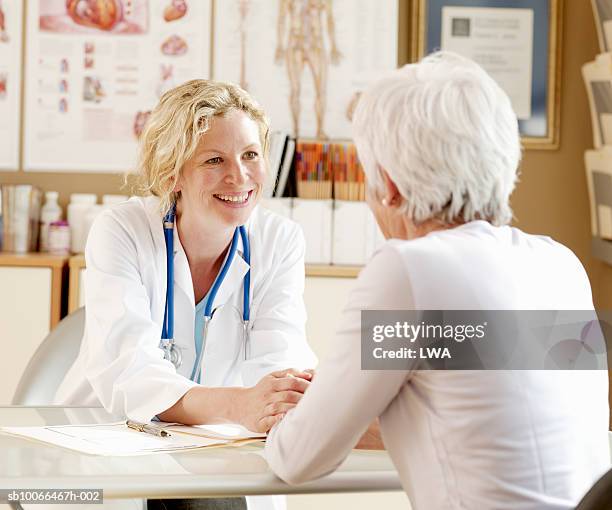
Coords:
147,428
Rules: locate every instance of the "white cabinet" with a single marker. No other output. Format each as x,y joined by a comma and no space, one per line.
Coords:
30,305
325,298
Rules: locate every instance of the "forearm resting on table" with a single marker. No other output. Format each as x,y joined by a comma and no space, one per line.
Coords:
371,438
202,405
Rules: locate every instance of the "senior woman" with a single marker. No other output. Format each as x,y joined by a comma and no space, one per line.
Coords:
159,267
440,147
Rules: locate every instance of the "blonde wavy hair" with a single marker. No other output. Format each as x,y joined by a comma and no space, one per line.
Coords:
175,126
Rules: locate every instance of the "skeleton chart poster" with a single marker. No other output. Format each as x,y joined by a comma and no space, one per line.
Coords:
303,60
11,18
96,69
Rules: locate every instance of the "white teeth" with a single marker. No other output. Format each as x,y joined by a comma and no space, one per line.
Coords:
234,198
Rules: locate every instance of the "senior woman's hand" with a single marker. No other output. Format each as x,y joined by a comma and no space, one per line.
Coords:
262,405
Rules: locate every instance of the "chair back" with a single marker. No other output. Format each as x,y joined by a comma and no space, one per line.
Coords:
49,364
599,497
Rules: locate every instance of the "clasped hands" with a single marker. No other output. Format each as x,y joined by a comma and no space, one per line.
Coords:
265,404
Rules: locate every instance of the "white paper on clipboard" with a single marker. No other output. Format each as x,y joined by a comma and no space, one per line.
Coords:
112,439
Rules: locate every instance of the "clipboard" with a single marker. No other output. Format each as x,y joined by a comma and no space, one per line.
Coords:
116,439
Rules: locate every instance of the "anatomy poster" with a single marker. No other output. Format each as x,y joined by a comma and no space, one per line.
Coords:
303,60
10,82
94,71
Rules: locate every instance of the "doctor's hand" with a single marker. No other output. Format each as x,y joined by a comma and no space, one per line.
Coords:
263,405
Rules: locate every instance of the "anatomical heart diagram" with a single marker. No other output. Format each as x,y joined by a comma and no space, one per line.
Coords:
93,16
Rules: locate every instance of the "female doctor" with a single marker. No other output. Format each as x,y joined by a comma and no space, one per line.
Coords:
194,309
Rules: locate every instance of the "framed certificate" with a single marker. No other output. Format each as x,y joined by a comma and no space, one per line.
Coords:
516,41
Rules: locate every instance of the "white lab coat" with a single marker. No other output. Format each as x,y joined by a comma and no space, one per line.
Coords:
120,365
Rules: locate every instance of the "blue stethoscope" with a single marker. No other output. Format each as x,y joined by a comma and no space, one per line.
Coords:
167,344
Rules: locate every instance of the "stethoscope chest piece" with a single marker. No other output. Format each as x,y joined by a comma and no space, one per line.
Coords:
171,352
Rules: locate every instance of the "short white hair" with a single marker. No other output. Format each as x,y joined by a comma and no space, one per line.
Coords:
448,137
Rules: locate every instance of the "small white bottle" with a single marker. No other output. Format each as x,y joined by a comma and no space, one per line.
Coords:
80,203
50,212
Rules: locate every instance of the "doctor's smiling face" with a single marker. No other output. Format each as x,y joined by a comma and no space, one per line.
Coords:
223,179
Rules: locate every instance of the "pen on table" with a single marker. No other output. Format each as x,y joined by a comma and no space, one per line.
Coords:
147,428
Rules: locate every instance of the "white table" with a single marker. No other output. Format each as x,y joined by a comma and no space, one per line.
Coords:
217,472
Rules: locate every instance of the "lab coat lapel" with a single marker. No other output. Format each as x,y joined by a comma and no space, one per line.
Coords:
232,282
155,218
182,273
184,307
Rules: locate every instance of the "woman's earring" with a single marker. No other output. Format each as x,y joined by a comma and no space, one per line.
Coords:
385,202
